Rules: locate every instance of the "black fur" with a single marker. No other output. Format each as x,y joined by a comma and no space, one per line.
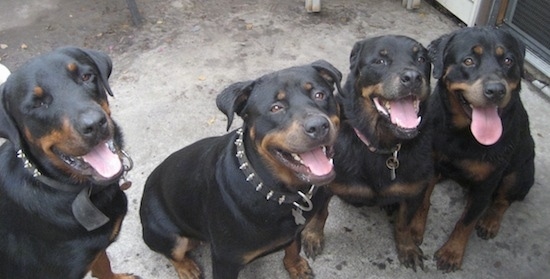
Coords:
55,102
199,193
386,68
480,67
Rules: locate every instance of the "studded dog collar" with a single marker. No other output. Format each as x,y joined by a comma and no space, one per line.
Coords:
85,212
270,194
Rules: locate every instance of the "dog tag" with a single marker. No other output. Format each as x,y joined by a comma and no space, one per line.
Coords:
298,217
392,163
125,185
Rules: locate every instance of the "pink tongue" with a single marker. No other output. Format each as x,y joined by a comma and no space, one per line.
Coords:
403,113
317,162
105,162
486,125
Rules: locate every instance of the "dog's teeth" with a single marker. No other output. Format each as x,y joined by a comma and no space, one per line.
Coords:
325,150
381,106
296,157
110,144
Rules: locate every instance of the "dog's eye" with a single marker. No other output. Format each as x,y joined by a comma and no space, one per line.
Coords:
468,62
421,59
276,107
381,61
40,102
508,61
86,77
319,95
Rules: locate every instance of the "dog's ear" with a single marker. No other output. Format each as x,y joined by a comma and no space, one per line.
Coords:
100,60
355,56
104,65
436,53
233,99
520,56
328,72
8,130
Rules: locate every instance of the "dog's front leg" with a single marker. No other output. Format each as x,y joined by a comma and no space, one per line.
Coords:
408,252
297,267
223,269
449,257
313,234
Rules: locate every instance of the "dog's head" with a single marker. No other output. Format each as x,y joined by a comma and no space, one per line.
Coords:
292,118
480,69
386,89
55,109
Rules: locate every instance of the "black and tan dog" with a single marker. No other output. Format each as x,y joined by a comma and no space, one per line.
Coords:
382,155
251,191
60,201
483,139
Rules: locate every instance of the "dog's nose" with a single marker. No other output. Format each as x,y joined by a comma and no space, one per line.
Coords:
410,78
92,124
317,127
494,91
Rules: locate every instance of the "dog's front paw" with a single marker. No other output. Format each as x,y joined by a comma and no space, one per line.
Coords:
488,226
411,256
299,269
312,243
448,259
187,269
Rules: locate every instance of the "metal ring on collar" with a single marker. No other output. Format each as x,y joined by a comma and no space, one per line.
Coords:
130,161
307,200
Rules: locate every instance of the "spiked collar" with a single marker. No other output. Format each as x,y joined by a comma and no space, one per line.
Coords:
85,212
270,194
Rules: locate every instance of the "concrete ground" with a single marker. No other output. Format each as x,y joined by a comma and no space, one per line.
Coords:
166,76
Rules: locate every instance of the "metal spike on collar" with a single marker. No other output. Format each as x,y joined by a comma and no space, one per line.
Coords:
250,177
27,164
269,195
238,142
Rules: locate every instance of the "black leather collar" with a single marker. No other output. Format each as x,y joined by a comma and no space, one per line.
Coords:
85,212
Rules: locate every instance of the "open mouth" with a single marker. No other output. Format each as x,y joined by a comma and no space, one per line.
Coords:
402,113
102,163
486,125
313,166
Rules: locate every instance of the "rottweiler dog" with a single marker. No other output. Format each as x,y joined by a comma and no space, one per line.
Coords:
249,192
61,204
382,154
483,140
